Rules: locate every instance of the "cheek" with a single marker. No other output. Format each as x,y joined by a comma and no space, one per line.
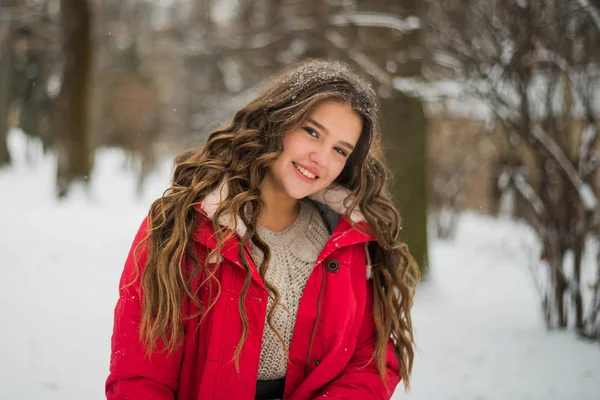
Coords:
292,142
286,155
278,167
336,169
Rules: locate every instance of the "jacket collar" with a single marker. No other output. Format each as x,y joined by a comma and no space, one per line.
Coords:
332,197
331,200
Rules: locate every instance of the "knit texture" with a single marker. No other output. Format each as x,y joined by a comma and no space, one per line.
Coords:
294,252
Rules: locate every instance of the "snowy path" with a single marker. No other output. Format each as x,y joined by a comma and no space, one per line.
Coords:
478,330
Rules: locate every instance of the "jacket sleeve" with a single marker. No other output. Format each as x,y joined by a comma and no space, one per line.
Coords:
134,375
360,379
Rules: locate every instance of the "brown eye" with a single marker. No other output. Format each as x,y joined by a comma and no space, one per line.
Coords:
341,151
311,131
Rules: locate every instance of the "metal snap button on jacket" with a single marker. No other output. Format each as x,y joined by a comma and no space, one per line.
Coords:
332,265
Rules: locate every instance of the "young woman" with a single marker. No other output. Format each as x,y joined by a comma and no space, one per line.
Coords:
271,268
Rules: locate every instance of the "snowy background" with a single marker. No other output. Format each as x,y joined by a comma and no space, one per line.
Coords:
478,326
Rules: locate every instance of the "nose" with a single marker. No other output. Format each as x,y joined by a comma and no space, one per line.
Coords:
318,156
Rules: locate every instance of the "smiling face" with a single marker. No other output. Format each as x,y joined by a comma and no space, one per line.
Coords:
315,153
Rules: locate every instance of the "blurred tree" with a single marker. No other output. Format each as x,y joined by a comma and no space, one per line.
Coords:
130,112
6,73
32,56
404,125
404,128
70,120
535,64
126,104
592,8
30,81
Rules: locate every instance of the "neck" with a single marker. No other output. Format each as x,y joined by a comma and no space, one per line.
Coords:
281,210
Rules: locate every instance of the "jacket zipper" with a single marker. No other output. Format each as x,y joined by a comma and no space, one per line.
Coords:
314,329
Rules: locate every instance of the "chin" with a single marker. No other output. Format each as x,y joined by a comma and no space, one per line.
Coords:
298,190
287,181
297,193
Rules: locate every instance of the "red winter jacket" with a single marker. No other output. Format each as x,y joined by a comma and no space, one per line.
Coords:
332,343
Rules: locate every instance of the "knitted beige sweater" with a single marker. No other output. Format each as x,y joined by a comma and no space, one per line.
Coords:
294,252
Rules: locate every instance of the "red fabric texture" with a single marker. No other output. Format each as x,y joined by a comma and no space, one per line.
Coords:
337,303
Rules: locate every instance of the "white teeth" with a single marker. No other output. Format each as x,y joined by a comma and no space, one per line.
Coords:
304,172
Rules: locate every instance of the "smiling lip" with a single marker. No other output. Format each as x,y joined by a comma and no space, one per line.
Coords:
312,171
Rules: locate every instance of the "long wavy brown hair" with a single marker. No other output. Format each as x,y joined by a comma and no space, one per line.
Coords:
239,154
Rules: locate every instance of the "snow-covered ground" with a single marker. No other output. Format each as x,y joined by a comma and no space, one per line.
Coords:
477,323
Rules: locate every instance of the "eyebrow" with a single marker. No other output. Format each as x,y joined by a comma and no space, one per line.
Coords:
321,127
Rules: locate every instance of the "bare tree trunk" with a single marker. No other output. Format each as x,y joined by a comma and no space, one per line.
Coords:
33,104
404,128
559,293
405,139
6,73
578,249
70,122
592,328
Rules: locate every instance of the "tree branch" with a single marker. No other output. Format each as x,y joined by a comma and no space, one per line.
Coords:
586,194
377,20
592,12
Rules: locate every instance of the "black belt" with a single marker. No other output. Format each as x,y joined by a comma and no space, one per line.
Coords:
268,390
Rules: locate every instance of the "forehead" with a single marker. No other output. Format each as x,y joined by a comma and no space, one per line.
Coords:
339,119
